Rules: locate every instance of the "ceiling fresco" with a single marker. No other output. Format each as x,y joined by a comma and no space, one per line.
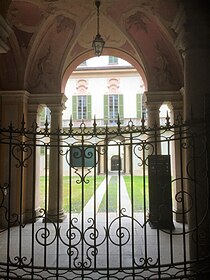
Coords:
50,36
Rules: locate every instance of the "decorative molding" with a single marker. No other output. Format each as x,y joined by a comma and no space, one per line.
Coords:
41,70
5,31
64,23
163,96
162,69
48,99
136,20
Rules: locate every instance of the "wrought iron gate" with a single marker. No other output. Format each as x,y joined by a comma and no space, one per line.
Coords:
65,214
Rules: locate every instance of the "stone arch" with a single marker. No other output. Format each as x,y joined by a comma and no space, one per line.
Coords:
107,51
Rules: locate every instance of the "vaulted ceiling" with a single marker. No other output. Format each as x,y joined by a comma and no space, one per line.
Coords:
49,38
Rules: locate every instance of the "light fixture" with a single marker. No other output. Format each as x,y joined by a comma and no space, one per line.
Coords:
98,42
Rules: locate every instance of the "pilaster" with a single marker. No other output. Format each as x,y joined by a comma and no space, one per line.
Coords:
14,104
192,26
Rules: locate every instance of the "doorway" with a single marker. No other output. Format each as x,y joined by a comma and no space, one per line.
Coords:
116,163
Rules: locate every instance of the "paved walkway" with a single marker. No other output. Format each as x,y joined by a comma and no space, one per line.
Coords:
114,241
96,199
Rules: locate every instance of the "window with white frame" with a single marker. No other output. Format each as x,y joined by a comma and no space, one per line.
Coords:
81,102
82,107
113,101
113,60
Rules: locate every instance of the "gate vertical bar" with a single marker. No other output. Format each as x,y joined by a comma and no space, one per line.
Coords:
181,144
33,201
82,199
59,179
94,210
145,159
171,236
45,202
9,199
119,206
107,201
130,146
21,166
70,202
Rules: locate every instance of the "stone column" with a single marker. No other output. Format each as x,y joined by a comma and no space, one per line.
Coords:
101,155
177,164
31,201
193,28
153,121
127,164
55,211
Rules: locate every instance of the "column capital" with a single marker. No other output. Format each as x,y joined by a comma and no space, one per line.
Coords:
48,99
56,108
18,94
35,108
159,97
153,106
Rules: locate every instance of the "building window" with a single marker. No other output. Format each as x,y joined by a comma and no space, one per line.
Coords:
81,102
139,105
113,108
81,107
113,60
113,105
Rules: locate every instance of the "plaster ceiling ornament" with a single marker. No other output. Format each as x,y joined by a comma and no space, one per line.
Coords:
64,23
137,22
25,16
43,72
162,66
129,27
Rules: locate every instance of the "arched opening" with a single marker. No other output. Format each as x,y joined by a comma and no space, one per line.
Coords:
116,163
42,45
100,87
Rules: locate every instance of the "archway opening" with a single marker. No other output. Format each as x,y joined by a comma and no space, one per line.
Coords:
116,164
104,89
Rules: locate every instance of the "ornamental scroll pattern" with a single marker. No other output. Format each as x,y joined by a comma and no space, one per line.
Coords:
109,243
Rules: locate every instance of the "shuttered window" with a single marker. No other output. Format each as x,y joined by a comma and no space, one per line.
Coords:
106,109
74,107
121,106
139,105
113,105
81,107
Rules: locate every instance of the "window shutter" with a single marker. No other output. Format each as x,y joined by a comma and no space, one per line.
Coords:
89,106
121,106
138,105
106,108
74,107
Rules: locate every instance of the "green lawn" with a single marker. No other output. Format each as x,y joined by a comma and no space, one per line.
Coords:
109,201
138,192
73,191
82,192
